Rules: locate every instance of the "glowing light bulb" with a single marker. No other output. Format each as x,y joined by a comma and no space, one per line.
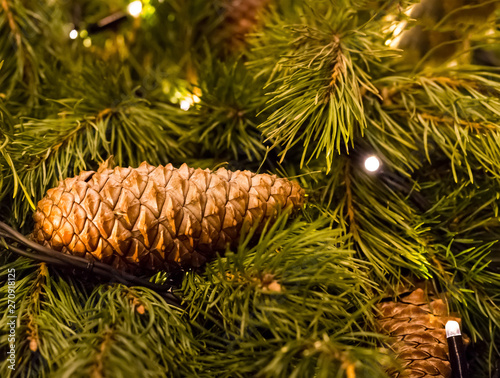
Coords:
372,164
87,42
185,105
452,328
400,28
73,34
135,8
409,10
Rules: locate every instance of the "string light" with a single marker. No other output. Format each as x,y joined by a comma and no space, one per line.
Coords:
372,164
400,27
135,8
87,42
189,101
73,34
409,10
185,104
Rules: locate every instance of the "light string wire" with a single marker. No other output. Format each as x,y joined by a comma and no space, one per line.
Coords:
53,257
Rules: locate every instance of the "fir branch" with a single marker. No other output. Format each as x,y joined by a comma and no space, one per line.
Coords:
349,204
47,150
23,53
225,120
21,28
289,303
97,370
98,334
33,309
124,331
321,72
473,126
455,114
384,228
472,289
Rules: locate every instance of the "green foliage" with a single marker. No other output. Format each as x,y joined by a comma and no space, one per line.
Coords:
318,83
452,110
465,221
66,329
318,72
80,131
24,68
225,120
292,303
385,226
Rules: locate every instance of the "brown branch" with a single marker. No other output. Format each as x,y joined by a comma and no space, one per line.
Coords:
477,126
12,22
388,92
103,113
339,66
65,139
448,81
34,307
99,366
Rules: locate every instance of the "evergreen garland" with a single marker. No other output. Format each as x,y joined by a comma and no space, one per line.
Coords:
319,86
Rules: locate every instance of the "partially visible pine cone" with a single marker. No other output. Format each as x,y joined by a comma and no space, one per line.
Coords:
152,218
416,325
240,18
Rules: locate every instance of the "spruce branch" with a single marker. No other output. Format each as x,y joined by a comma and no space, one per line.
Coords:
47,150
320,73
287,302
70,325
472,290
374,212
13,19
125,331
35,329
33,309
225,120
350,205
455,114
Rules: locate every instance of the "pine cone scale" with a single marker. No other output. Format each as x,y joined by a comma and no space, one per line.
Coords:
416,325
156,217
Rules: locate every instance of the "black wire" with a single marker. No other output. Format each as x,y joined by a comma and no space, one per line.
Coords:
394,181
13,234
70,261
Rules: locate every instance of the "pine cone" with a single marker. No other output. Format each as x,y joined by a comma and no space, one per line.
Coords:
152,218
240,18
416,325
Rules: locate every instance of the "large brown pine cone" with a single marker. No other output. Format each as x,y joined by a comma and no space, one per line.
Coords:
151,218
416,325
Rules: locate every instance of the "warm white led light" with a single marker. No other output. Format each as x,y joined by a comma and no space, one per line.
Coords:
185,105
73,34
135,8
452,329
400,28
372,164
